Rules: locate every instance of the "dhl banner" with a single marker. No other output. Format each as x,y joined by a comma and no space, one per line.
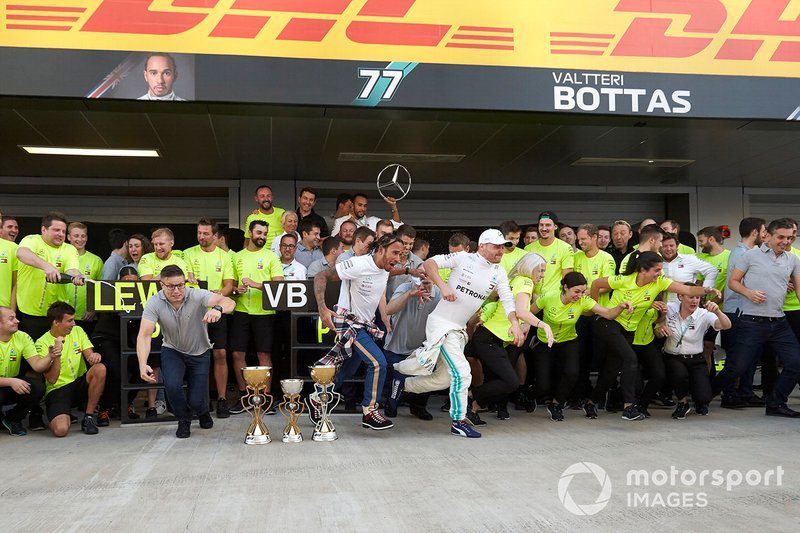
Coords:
658,57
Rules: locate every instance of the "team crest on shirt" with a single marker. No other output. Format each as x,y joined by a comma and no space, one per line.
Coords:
87,270
12,355
570,314
58,262
493,283
646,296
595,271
75,347
260,265
553,259
218,267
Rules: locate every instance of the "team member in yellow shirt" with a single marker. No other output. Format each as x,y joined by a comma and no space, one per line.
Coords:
511,254
210,263
68,380
15,388
252,266
640,284
561,311
150,265
710,240
8,273
672,226
557,253
90,266
265,212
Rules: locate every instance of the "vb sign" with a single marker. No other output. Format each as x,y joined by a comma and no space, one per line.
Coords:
295,295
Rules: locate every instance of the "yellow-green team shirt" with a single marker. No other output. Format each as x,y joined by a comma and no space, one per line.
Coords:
274,221
791,303
259,266
562,317
213,267
498,323
151,265
645,332
682,249
720,262
90,266
73,365
8,265
511,258
602,265
626,290
11,353
31,282
559,256
444,273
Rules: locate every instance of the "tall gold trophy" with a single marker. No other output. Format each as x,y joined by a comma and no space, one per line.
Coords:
328,400
292,408
257,397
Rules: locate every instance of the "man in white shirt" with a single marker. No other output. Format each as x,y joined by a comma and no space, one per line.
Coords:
441,359
360,217
684,267
292,268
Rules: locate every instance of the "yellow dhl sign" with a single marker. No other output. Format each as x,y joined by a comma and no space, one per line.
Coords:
735,37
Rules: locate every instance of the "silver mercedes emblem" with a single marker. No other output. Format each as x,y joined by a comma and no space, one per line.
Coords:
395,181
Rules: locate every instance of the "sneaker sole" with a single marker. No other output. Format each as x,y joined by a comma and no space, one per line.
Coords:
367,426
640,417
459,433
10,432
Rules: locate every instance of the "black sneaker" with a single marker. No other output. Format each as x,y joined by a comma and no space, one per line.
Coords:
520,400
398,384
73,419
314,409
755,401
239,407
632,413
701,409
681,411
420,412
663,401
474,419
184,429
502,412
375,420
151,413
590,410
35,422
732,402
556,412
223,411
14,427
132,414
88,425
445,408
103,418
642,409
782,410
206,422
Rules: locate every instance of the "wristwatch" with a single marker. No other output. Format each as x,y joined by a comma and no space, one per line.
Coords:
218,308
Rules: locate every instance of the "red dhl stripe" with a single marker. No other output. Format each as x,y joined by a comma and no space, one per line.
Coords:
17,7
482,46
577,43
486,28
37,27
483,37
583,35
578,52
42,17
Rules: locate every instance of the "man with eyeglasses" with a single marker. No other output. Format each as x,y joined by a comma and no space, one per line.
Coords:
292,268
182,313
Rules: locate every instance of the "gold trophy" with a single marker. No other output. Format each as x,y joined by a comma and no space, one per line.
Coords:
292,408
327,399
256,397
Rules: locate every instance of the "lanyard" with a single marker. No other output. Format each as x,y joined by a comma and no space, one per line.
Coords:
685,329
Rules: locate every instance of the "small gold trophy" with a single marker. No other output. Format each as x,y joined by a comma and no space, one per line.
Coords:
292,408
327,400
257,397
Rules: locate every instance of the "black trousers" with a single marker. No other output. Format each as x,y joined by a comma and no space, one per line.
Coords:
689,374
24,402
622,356
557,364
500,377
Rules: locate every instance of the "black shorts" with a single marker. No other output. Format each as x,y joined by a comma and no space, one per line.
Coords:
256,327
63,399
218,333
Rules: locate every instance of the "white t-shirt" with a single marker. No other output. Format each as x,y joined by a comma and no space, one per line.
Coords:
472,279
687,335
294,270
363,285
370,222
685,268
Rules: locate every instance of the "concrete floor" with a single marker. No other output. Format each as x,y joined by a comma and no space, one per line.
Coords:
415,477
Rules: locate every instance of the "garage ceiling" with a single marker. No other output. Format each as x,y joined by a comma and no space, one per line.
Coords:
220,142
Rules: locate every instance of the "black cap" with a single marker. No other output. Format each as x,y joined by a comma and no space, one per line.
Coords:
548,214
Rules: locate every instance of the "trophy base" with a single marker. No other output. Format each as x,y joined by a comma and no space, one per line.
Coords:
292,438
257,439
324,437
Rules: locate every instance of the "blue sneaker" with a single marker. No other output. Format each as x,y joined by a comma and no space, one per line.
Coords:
462,429
398,383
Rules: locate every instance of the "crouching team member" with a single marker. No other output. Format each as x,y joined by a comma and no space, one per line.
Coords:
473,277
182,314
69,383
21,391
684,327
363,288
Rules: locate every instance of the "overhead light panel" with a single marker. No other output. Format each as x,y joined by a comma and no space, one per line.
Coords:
630,162
92,152
369,157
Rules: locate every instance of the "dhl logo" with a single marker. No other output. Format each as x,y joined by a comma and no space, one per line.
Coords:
376,22
681,29
739,37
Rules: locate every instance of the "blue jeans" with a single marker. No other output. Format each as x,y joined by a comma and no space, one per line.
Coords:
177,366
365,349
752,335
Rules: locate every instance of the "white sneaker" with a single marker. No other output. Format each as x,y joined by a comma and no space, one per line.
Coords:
161,407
